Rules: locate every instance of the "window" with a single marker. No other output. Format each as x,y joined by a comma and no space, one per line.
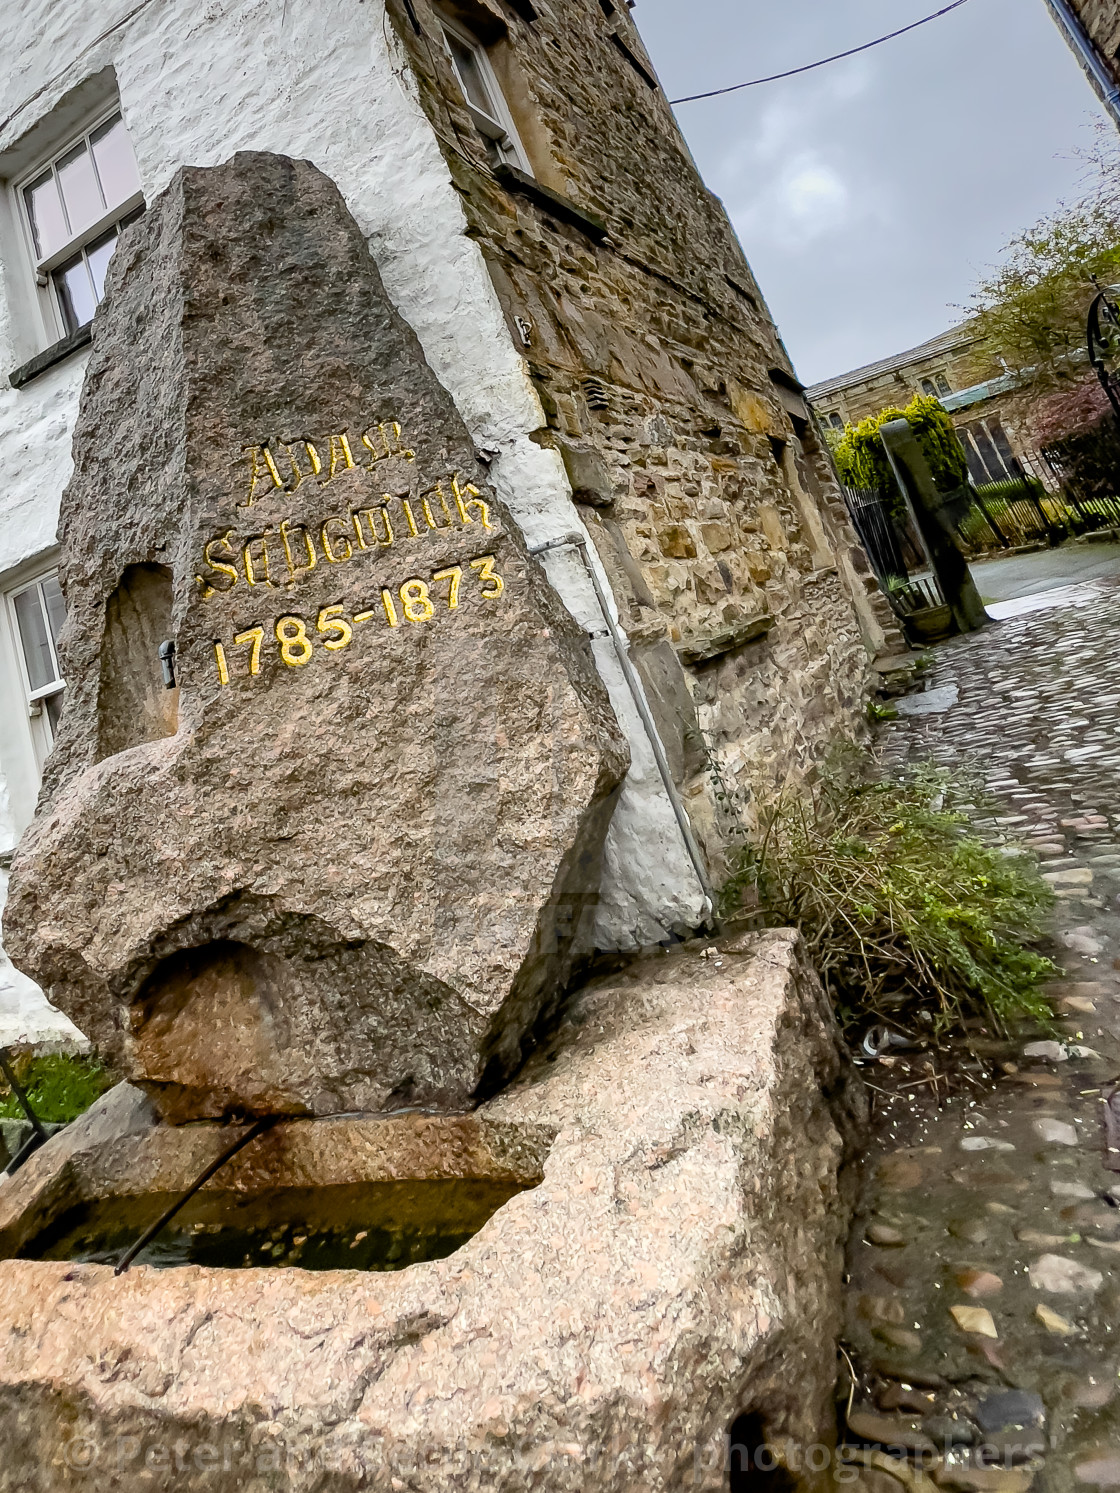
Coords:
484,97
39,613
836,420
937,386
74,207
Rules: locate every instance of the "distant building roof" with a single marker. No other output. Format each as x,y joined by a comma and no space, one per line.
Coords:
956,337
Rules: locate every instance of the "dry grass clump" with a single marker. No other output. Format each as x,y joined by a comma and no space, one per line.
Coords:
903,909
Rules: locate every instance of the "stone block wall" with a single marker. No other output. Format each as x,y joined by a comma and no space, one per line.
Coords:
666,389
1101,19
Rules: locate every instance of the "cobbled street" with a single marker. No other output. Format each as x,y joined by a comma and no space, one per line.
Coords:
984,1299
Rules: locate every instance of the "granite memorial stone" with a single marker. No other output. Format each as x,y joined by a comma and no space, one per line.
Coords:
345,860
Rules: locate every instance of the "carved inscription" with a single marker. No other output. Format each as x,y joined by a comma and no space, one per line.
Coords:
415,601
305,460
281,554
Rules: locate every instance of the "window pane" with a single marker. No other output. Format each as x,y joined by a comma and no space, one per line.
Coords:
75,293
56,607
33,636
99,254
80,192
471,77
943,384
44,208
116,164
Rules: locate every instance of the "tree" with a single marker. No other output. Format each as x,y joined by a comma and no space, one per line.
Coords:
1030,311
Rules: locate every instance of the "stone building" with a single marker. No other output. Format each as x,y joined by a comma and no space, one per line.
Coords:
540,225
988,412
1092,29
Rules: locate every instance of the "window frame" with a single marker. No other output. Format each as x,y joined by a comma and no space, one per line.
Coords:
42,728
43,270
500,130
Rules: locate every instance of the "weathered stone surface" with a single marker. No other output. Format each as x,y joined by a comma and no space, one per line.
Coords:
351,875
678,1263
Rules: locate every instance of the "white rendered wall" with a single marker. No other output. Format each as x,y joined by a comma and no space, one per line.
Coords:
323,80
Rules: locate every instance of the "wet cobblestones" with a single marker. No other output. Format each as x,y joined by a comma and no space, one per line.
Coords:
986,1261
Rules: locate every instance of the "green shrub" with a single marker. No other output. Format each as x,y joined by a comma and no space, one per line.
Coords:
862,462
58,1088
901,907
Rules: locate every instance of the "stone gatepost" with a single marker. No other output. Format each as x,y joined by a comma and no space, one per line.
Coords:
934,513
345,861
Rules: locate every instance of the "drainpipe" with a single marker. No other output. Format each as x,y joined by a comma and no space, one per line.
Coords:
634,684
1091,59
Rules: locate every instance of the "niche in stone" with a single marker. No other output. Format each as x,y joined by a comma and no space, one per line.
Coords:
134,704
209,1031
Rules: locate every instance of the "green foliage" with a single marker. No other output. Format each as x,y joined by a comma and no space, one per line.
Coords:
862,462
1030,311
59,1088
901,907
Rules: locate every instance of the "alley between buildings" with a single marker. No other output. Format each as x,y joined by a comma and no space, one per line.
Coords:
984,1286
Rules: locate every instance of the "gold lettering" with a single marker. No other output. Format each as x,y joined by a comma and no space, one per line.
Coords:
390,610
465,504
297,475
287,529
390,444
426,510
367,514
443,504
295,645
220,660
486,572
364,616
356,520
454,574
257,472
412,529
332,621
417,601
254,635
339,454
313,458
247,556
340,539
230,571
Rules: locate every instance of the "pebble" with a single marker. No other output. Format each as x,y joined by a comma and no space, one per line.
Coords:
883,1235
888,1430
984,1143
1054,1323
971,1230
1081,942
979,1284
898,1337
984,1479
1064,1277
974,1319
1010,1407
1056,1133
1074,876
1075,1190
896,1397
1104,1472
1052,1052
949,1432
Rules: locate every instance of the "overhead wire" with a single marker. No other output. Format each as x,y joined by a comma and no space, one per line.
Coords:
824,61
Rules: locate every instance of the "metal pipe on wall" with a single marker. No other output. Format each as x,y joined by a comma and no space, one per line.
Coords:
1081,42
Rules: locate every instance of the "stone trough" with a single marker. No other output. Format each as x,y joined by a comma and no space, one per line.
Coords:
642,1241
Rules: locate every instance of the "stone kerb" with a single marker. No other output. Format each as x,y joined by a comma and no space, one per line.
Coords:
345,862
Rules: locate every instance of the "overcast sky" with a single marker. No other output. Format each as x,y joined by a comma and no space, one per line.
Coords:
870,194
